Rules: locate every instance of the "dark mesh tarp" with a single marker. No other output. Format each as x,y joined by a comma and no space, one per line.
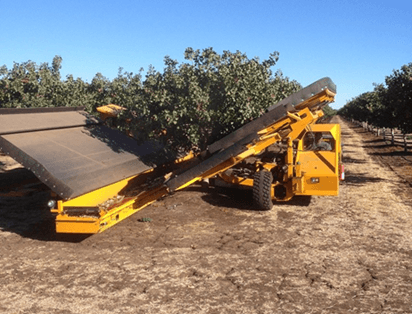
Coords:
36,119
72,160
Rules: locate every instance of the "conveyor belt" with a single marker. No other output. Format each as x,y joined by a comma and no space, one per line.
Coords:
14,121
70,159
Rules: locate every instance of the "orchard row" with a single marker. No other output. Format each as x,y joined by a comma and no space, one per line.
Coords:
187,106
389,105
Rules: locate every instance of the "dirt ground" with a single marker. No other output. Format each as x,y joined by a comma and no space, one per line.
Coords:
211,252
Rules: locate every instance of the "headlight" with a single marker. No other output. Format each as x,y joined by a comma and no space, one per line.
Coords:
314,180
51,203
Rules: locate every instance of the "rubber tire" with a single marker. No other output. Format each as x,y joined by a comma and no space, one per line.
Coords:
262,186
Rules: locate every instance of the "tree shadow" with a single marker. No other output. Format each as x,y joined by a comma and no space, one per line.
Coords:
395,153
360,179
348,160
383,146
357,130
374,141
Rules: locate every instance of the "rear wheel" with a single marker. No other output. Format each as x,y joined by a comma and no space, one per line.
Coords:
262,186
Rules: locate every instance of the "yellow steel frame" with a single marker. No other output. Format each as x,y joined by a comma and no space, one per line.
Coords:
105,218
85,224
295,181
325,96
90,224
323,165
289,127
109,111
253,149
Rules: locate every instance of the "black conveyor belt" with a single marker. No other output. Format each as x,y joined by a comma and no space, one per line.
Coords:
68,158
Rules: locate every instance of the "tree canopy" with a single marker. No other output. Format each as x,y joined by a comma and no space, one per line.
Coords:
388,105
187,106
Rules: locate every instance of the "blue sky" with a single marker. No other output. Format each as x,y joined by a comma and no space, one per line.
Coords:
356,43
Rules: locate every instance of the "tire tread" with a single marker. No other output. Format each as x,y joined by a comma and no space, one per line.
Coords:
262,185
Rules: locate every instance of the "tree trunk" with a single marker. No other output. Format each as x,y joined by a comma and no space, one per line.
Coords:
393,137
405,143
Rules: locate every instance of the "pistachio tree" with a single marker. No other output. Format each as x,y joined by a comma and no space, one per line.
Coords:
190,105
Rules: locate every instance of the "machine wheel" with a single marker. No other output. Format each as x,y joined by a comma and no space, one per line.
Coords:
262,185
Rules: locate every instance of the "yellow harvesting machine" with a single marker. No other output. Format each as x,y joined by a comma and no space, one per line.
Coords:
98,176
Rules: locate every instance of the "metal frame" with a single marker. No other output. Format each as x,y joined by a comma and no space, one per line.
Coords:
285,122
289,128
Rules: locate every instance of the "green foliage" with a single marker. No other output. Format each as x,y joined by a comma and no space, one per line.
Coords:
329,111
29,85
191,105
186,107
399,97
365,106
388,105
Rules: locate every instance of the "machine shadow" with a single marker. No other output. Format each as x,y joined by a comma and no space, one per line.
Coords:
24,211
242,199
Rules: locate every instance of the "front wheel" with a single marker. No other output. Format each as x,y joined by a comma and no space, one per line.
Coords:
262,186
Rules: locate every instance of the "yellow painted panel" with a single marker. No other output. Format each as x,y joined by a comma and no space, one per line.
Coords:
65,224
318,163
99,196
328,185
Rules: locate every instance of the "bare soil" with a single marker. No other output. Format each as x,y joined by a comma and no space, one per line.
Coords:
212,252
